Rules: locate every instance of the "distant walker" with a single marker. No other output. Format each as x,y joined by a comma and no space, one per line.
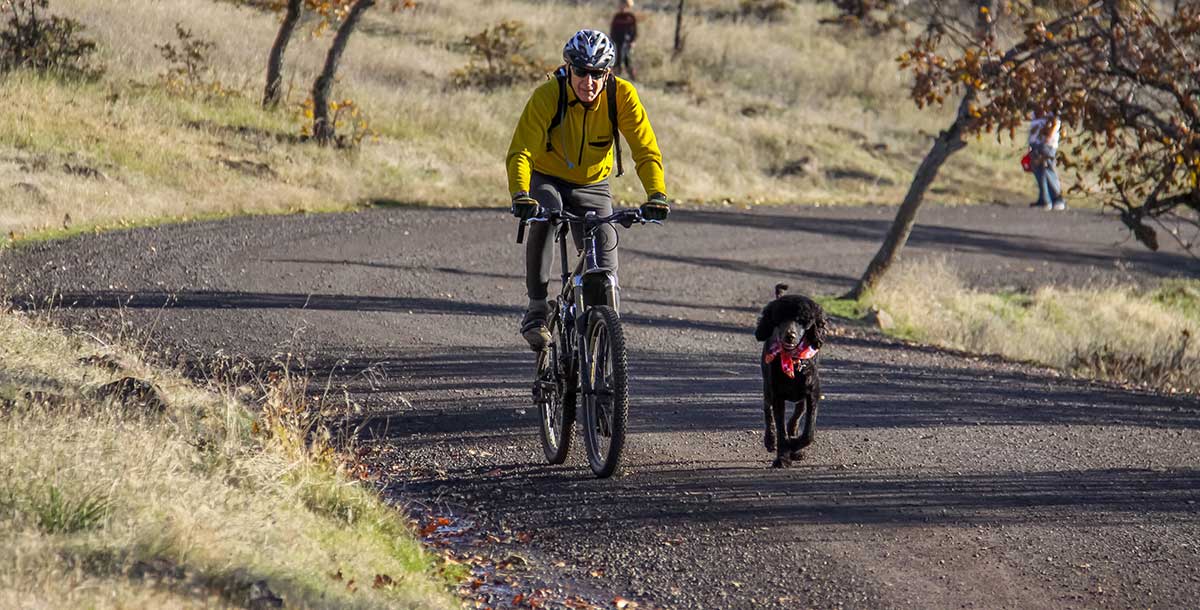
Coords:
624,32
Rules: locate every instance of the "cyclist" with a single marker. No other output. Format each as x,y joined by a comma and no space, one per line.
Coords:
561,156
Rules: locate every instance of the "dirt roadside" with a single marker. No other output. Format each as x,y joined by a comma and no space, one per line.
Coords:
939,480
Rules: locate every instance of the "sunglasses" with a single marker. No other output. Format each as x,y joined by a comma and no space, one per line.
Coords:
595,74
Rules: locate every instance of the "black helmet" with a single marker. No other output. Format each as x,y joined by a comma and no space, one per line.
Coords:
589,50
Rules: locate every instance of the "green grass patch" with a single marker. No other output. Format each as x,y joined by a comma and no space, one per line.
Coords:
59,511
1180,295
849,309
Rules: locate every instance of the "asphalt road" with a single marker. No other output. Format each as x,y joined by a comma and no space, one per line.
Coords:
938,480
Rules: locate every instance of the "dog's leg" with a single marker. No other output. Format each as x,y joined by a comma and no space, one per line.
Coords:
768,398
810,418
793,428
769,429
782,457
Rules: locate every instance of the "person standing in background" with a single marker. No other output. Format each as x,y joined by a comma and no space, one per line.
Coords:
1043,147
623,33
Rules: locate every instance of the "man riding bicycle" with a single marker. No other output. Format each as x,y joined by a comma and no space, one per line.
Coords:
561,156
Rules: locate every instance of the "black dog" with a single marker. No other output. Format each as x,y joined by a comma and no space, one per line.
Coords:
792,329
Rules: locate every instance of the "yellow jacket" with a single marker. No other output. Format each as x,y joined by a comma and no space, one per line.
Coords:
585,159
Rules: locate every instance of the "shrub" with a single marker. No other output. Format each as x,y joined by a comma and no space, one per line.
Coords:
766,10
1168,368
865,14
346,113
190,72
47,44
499,58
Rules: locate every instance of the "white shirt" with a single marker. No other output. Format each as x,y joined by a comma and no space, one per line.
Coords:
1041,124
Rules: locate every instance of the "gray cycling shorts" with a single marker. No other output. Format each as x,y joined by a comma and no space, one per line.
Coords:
556,194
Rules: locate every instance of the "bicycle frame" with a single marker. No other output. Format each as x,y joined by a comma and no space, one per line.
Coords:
588,285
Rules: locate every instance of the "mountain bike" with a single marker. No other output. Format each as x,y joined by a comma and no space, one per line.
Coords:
586,356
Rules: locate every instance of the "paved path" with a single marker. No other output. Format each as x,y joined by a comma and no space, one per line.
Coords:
938,480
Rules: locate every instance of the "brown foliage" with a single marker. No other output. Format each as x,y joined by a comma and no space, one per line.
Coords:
190,72
499,57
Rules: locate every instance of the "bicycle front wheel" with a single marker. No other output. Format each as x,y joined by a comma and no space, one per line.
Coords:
606,408
556,400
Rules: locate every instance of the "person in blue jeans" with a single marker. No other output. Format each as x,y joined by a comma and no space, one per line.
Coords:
1043,147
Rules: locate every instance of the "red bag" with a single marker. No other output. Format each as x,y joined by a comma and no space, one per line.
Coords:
1027,162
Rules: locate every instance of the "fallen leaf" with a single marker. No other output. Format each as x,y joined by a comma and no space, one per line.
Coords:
383,580
518,598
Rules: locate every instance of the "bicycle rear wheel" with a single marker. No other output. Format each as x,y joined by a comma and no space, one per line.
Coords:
606,408
555,396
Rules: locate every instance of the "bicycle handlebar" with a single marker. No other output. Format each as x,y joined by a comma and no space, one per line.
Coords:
625,218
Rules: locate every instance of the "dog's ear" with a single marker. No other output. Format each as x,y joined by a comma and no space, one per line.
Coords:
816,332
766,322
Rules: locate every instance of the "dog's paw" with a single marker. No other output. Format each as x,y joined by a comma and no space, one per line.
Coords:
769,441
796,455
803,442
781,462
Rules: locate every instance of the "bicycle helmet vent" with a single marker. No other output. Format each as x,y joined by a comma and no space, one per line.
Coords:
589,50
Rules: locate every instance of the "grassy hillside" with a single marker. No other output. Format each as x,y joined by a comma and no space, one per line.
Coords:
181,496
737,115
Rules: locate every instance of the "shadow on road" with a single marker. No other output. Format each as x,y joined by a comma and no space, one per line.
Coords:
754,496
943,238
216,299
721,392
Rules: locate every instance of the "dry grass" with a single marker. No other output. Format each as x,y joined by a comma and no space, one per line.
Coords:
746,99
105,504
1148,337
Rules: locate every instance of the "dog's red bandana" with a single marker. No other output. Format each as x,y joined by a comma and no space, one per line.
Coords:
789,358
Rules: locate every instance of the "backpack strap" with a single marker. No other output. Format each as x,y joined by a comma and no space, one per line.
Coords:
611,85
561,76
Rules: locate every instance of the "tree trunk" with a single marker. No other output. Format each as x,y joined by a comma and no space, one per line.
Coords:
271,93
323,127
947,143
678,31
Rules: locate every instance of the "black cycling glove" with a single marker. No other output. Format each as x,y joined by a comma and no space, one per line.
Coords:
524,206
656,208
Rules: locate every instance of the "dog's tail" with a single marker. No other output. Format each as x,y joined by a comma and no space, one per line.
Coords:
780,289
